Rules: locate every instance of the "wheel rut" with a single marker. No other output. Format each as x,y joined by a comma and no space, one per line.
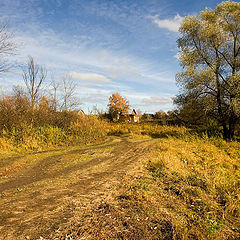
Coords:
42,197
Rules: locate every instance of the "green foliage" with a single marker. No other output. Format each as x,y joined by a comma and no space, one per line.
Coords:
210,54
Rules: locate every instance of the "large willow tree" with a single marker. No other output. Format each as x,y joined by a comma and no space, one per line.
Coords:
210,56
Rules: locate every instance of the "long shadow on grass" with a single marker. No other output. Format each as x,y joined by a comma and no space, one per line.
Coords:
40,171
10,160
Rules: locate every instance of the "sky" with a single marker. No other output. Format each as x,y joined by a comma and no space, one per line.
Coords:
105,46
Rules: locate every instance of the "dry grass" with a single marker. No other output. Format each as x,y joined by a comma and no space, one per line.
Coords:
87,129
187,188
183,187
147,129
195,183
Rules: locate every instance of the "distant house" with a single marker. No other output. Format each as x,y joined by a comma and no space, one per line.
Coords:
132,117
80,113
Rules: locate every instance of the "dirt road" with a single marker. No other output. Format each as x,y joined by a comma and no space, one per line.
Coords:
38,191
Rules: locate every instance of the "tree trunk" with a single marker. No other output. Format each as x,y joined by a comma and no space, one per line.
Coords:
225,131
228,131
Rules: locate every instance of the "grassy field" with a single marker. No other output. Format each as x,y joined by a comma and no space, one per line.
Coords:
145,182
189,189
186,187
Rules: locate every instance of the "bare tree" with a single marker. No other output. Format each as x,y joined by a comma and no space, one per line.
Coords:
7,47
54,87
69,89
33,77
96,111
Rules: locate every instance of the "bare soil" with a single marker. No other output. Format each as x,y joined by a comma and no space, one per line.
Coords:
39,192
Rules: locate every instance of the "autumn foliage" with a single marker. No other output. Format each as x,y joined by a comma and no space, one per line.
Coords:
118,105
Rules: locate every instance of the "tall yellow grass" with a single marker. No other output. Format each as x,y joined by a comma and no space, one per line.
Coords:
85,130
192,183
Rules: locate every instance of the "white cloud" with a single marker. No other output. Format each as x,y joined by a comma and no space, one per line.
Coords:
97,98
154,100
135,95
61,55
170,24
55,53
89,77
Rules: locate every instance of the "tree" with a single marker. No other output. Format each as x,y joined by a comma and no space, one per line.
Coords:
68,91
190,110
210,54
14,110
118,105
160,116
7,47
33,76
54,85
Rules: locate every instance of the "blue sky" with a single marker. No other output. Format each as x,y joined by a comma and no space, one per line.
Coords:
105,46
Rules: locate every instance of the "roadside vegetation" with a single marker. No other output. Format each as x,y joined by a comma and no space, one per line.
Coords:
84,130
24,126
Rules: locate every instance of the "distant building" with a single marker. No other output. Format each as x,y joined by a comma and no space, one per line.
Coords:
132,117
80,113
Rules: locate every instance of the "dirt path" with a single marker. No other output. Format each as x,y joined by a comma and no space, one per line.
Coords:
37,191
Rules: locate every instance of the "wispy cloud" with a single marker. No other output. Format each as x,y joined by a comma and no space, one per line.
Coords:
87,64
155,101
89,77
105,46
170,24
55,52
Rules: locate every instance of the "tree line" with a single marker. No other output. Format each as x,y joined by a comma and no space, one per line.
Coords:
35,106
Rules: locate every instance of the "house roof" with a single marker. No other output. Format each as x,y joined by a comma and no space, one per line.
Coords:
80,112
134,112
